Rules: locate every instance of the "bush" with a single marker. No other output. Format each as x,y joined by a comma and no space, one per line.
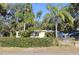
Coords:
28,32
50,34
25,34
5,33
26,42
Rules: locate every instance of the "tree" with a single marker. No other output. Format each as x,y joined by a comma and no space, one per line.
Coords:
39,14
1,24
38,17
15,16
28,16
24,15
74,11
76,23
59,15
47,23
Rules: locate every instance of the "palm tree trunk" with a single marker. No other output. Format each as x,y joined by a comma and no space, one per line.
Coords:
56,30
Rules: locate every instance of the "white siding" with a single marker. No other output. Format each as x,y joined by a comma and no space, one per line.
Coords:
41,34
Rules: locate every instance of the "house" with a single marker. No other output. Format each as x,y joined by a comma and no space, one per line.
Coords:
39,33
63,35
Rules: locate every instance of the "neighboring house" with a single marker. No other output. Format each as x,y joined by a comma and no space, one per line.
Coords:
39,33
74,35
63,35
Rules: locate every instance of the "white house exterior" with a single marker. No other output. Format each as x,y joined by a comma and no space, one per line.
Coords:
36,33
39,33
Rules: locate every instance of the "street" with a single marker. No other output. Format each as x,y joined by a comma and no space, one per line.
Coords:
39,51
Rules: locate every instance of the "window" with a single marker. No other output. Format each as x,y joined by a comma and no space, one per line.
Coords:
36,33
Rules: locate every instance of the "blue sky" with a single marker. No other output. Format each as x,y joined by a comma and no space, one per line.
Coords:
42,6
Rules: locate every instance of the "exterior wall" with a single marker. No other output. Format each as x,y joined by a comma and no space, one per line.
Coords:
41,34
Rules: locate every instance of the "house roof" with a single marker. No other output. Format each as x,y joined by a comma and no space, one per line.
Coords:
43,30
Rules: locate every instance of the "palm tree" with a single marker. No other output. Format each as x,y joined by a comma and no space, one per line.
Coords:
38,17
39,14
74,11
60,15
47,23
3,7
76,23
25,13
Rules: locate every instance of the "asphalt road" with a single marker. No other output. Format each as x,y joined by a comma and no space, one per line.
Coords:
39,51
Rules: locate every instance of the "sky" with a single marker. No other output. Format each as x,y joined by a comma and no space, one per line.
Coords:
42,6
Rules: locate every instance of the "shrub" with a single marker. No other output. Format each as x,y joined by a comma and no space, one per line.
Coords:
50,34
25,34
26,42
28,32
31,42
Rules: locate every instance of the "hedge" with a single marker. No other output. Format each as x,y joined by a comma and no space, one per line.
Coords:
26,42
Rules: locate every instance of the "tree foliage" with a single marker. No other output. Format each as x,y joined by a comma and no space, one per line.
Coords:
64,18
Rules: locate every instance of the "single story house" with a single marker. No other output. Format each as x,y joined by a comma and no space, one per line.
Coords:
39,33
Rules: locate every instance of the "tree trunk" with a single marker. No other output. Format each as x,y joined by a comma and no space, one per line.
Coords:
11,34
17,34
56,30
24,26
